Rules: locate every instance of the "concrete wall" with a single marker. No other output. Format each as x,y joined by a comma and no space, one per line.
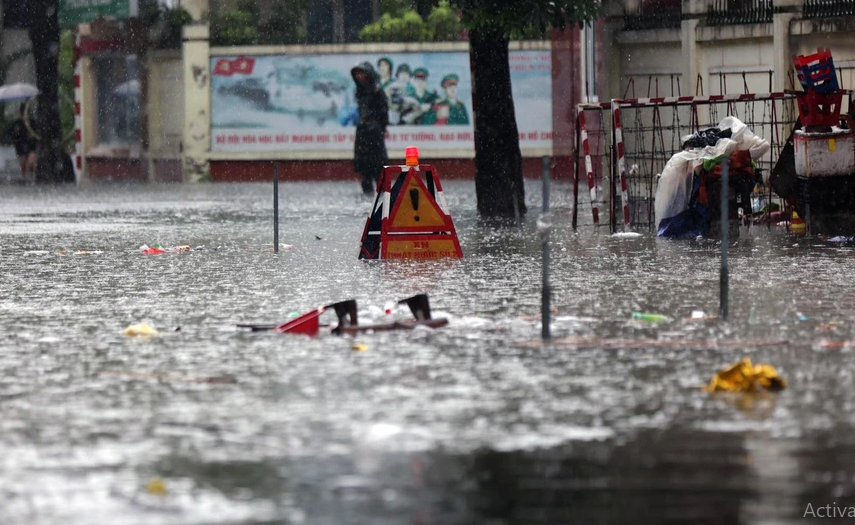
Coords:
720,55
197,103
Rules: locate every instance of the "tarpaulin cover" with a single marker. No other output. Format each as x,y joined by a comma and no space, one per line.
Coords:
677,211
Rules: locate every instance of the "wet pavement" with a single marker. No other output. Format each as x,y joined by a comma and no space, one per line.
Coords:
477,422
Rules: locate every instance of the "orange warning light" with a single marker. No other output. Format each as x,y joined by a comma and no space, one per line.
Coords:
412,156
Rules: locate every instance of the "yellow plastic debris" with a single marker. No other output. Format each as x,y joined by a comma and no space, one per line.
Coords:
359,347
141,330
746,377
156,486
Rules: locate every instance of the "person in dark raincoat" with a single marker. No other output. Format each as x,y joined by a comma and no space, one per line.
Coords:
369,151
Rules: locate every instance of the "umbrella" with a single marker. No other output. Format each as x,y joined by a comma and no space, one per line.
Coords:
17,91
131,88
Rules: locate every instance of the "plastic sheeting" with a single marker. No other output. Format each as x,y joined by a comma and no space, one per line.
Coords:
676,185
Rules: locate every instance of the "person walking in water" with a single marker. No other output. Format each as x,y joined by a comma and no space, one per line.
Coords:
369,150
25,145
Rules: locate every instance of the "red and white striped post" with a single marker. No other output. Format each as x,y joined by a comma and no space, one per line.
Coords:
621,161
79,160
589,168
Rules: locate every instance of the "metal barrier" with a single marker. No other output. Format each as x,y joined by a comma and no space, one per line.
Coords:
623,145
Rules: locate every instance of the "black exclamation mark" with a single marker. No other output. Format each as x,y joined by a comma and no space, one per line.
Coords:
414,198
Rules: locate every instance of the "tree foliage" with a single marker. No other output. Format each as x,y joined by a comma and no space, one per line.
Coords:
399,24
246,25
516,19
165,23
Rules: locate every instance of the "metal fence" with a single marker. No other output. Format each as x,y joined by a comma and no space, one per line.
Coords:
623,145
653,15
828,8
729,12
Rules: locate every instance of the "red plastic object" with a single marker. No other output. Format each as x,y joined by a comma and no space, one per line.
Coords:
153,251
819,109
308,323
412,156
821,55
817,71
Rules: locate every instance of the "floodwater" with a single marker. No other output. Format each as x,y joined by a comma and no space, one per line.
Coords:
474,423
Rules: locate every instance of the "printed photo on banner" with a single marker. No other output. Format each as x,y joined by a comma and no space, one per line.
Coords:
307,102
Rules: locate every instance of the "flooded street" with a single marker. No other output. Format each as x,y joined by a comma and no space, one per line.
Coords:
474,423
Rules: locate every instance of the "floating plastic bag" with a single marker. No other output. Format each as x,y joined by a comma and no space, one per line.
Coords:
674,190
744,137
746,377
140,330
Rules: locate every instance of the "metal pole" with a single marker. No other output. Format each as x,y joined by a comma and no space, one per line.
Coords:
275,207
543,228
576,175
725,225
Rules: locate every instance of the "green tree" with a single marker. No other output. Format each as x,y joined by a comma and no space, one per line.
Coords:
443,23
246,25
282,26
491,23
236,27
399,24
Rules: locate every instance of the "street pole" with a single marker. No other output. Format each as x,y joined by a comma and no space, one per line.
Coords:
725,225
275,207
543,226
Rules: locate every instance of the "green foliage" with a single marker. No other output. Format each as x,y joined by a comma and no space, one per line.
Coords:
282,27
177,16
441,25
235,27
174,19
394,8
520,19
245,26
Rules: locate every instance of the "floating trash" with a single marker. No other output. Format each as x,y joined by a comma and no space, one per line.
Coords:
156,486
648,317
359,347
151,250
140,330
746,377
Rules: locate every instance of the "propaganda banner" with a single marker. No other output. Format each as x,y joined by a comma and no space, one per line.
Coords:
287,103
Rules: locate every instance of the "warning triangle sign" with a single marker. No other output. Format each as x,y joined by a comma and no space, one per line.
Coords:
407,220
415,209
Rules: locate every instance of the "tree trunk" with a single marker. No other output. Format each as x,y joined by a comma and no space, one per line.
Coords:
498,161
44,35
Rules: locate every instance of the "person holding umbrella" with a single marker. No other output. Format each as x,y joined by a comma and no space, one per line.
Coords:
25,144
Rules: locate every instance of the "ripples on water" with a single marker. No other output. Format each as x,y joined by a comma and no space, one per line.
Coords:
467,424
